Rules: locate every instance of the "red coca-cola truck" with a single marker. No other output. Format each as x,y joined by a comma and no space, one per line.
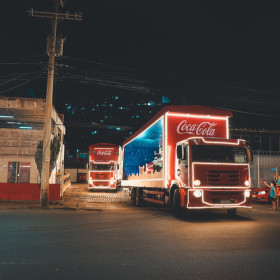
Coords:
105,166
184,157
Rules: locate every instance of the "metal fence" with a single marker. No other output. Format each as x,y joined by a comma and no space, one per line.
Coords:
263,166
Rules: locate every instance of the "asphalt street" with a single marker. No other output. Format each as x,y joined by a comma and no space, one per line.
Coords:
119,241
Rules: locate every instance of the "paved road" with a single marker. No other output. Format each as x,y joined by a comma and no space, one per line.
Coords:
79,193
123,242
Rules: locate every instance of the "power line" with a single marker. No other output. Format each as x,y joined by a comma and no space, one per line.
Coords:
3,91
248,113
103,64
250,89
17,77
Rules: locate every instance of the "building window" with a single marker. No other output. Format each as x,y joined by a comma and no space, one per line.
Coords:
18,172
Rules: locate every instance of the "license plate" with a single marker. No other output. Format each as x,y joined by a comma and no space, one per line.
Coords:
226,201
254,196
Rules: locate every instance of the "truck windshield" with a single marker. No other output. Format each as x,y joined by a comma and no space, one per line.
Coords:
231,154
102,166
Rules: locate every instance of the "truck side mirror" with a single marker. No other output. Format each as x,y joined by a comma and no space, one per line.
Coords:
179,152
249,155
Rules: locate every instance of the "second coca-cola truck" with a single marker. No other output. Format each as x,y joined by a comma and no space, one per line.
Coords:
183,157
105,166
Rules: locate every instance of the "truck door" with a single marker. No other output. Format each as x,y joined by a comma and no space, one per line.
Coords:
183,166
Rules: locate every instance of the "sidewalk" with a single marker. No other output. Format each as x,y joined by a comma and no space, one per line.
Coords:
74,205
13,205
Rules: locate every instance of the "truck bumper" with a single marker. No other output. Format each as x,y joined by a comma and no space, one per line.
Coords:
218,198
100,185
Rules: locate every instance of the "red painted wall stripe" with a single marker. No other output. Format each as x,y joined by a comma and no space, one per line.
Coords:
22,191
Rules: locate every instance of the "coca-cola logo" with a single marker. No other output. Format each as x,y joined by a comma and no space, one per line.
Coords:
104,153
203,129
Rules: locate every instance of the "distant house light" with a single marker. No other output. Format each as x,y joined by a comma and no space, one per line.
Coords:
25,127
116,97
151,103
137,116
121,108
6,116
118,129
92,109
94,132
14,122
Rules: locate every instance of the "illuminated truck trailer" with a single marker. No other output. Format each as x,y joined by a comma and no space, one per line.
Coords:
105,166
183,157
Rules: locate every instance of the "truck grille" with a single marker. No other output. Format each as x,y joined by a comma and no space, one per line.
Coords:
225,197
223,178
101,176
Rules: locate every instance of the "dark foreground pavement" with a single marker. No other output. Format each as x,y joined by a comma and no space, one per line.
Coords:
118,241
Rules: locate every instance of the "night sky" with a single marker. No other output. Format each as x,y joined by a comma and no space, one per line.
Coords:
224,54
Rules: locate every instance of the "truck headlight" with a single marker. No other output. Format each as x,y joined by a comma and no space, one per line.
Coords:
197,183
247,193
197,193
246,183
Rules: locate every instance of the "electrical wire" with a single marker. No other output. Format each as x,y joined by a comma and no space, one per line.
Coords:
102,64
3,91
250,89
17,77
248,113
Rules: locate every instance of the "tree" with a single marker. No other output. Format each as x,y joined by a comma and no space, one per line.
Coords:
55,148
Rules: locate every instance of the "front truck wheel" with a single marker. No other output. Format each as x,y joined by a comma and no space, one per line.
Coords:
176,208
231,212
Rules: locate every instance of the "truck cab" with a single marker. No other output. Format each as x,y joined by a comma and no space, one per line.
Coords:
214,173
105,166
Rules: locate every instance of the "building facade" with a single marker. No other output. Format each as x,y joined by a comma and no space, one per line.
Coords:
21,129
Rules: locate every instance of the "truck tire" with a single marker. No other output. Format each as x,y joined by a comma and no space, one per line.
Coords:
137,197
231,212
132,196
176,208
139,200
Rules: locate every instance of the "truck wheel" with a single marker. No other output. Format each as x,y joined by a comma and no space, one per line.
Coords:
231,212
139,200
137,197
132,196
176,208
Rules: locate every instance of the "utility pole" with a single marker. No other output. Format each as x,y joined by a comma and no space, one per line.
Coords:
52,52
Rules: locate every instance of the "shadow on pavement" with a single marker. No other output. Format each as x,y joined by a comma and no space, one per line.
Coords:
199,216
